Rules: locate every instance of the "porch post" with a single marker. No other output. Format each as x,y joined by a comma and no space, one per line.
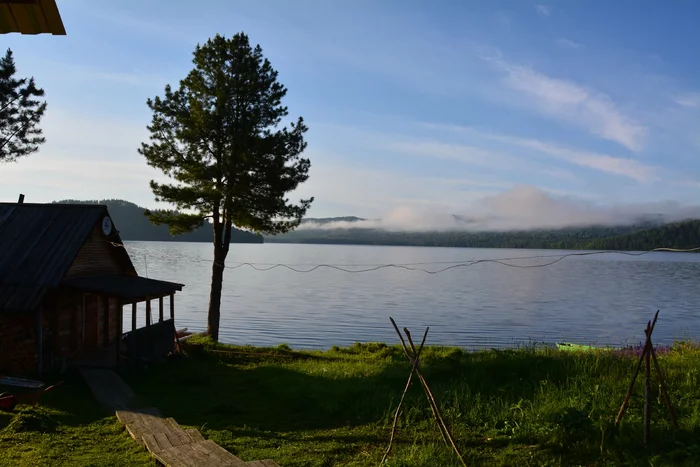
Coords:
148,312
160,309
172,306
120,325
40,340
133,316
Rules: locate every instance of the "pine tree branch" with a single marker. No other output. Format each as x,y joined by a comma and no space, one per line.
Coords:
9,104
7,140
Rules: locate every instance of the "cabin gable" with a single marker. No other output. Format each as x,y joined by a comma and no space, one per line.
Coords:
100,255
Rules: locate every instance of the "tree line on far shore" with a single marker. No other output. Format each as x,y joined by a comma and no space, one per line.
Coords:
133,225
639,237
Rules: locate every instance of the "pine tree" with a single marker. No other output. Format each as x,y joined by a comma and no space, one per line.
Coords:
20,113
218,136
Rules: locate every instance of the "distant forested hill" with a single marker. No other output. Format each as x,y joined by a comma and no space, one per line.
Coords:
682,235
134,225
561,238
643,236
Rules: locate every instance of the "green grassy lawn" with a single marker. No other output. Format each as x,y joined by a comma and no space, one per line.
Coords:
520,407
68,428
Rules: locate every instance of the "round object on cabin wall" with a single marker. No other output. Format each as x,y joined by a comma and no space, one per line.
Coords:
106,225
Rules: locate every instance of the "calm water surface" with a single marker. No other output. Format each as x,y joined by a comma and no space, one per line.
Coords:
600,299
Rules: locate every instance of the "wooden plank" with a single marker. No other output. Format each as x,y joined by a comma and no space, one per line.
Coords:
197,458
136,431
108,388
133,316
151,443
170,458
148,312
160,309
194,434
163,441
178,438
222,453
172,307
215,459
173,422
263,463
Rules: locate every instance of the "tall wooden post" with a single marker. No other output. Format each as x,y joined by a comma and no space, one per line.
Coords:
647,388
133,316
172,306
160,309
148,312
120,325
56,331
40,340
83,321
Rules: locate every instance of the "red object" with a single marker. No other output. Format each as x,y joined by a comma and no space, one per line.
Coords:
9,401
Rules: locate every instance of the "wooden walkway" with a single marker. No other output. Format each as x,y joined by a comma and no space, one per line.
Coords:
168,442
108,388
171,445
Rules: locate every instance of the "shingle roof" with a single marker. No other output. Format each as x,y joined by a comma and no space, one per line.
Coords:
38,243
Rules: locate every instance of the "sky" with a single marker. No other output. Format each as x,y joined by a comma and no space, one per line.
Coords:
414,108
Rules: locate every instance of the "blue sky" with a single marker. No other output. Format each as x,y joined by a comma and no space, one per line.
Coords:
419,106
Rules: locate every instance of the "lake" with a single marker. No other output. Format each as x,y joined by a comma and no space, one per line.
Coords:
599,299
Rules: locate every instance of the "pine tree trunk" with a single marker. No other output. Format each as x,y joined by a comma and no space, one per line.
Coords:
217,278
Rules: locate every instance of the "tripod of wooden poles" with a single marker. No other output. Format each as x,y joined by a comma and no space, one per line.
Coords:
648,355
413,356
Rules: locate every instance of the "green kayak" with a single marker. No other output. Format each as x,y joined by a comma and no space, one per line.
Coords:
575,347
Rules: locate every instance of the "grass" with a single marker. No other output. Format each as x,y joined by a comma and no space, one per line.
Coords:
531,406
69,428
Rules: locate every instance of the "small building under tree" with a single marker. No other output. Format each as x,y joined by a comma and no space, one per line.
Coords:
65,279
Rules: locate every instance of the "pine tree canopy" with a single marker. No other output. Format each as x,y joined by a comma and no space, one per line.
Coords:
220,137
20,113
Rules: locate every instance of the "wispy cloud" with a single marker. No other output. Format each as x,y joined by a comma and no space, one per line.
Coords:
689,100
566,42
573,103
605,163
474,155
543,10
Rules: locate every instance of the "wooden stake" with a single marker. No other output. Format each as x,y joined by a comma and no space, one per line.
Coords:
403,396
626,401
647,386
431,400
420,377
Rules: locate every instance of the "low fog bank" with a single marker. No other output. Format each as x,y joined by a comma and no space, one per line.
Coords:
521,208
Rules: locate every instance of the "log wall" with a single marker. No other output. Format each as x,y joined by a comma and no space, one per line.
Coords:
18,349
97,256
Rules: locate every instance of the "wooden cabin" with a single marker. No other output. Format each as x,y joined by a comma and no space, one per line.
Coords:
65,278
